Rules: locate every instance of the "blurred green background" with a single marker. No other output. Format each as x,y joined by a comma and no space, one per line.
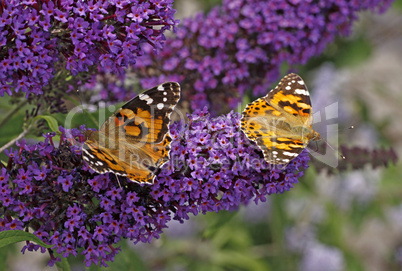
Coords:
344,221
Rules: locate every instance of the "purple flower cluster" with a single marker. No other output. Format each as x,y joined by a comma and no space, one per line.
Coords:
213,167
242,45
40,37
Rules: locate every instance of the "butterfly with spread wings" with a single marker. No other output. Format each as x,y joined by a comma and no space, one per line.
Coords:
135,142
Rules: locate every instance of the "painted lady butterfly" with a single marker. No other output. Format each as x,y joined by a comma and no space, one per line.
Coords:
135,141
281,122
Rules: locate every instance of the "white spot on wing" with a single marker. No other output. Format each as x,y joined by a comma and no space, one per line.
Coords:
160,88
287,87
88,153
301,91
165,99
146,98
160,106
292,154
301,82
143,96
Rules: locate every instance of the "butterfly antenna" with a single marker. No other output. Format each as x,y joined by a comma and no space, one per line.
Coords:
332,148
342,156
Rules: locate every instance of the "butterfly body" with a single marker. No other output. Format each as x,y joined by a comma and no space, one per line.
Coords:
134,142
281,122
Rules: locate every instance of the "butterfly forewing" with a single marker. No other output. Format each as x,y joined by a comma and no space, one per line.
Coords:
146,117
278,122
292,98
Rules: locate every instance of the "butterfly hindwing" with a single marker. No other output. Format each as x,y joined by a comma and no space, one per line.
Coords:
254,121
102,159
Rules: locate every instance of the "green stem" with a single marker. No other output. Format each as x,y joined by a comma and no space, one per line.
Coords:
10,113
9,144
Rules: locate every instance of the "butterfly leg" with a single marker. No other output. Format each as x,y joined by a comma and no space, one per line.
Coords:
117,177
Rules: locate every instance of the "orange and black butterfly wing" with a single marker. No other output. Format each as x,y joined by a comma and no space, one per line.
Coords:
137,164
145,118
101,157
272,121
292,97
134,141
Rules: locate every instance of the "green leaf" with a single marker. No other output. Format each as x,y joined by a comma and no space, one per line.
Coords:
63,265
397,5
245,101
128,259
219,221
51,121
235,260
284,68
353,52
14,236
